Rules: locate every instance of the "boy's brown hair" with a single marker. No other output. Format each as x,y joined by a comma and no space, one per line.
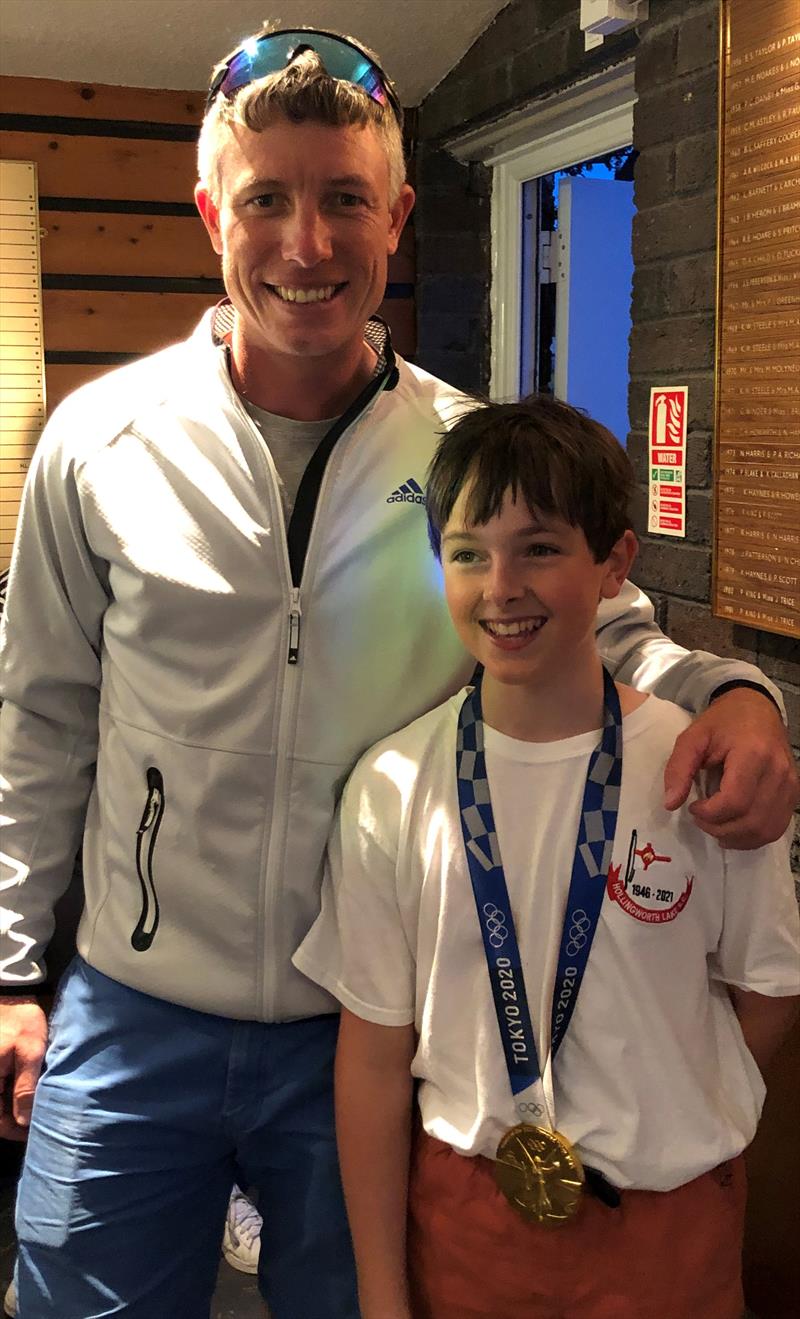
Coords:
555,458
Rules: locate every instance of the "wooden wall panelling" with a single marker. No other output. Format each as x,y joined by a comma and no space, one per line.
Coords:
64,377
115,168
79,100
102,243
116,171
118,322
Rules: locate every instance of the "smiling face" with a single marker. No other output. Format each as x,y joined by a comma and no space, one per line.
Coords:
302,219
523,591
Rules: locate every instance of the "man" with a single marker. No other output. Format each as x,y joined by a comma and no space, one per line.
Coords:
238,604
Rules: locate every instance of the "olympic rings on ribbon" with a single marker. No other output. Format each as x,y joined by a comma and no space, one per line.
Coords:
577,932
495,924
535,1110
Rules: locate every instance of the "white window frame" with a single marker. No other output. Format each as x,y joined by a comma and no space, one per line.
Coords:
583,121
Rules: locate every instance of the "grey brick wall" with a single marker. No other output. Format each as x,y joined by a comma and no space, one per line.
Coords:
534,48
673,312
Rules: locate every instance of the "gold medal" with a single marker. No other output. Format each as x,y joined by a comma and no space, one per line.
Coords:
540,1174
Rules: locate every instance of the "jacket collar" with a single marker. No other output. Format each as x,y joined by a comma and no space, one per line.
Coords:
376,333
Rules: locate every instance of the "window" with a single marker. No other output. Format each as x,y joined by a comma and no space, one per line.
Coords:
538,152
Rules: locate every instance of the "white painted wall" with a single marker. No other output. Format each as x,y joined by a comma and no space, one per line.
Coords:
174,43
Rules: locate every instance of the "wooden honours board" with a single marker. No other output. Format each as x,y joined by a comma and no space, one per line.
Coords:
757,521
21,338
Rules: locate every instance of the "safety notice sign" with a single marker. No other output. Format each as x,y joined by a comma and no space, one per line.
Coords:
666,513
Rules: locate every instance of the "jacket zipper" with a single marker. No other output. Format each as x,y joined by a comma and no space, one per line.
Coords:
286,734
295,611
150,823
286,695
294,626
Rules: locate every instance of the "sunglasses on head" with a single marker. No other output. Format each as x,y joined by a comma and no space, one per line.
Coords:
259,56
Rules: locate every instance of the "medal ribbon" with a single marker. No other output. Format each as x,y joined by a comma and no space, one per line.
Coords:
593,852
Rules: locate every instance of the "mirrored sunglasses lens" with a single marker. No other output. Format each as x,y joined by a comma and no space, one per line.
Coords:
372,82
340,60
257,59
346,63
240,72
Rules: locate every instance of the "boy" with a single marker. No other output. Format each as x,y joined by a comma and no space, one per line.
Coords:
572,1024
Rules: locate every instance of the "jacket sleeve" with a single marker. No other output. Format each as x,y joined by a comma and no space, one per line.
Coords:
49,684
637,652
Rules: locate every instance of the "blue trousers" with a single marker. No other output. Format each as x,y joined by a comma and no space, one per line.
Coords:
144,1115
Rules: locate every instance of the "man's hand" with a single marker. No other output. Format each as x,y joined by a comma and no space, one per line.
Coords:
23,1036
743,733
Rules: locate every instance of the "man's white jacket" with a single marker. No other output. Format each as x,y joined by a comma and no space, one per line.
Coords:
188,690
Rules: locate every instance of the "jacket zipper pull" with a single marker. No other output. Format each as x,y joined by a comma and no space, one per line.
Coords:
152,805
150,811
294,626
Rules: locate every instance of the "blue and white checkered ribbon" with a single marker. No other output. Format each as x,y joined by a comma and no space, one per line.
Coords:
593,852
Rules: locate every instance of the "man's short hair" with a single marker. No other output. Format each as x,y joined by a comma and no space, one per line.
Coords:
302,91
555,458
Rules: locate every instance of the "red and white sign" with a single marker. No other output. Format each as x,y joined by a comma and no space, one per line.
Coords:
666,510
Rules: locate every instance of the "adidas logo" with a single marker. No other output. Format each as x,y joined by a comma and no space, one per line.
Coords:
410,492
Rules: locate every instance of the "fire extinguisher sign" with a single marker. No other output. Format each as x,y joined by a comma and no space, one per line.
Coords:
666,512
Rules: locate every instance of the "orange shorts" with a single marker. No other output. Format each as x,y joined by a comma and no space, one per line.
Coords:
659,1255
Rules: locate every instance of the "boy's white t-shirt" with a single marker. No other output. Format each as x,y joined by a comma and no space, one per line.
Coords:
653,1083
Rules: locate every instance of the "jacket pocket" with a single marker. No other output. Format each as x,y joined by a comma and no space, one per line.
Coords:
146,836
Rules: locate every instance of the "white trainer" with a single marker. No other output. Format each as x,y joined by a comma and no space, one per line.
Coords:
10,1301
241,1240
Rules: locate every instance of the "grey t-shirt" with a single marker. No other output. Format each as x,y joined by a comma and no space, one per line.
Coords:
291,444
